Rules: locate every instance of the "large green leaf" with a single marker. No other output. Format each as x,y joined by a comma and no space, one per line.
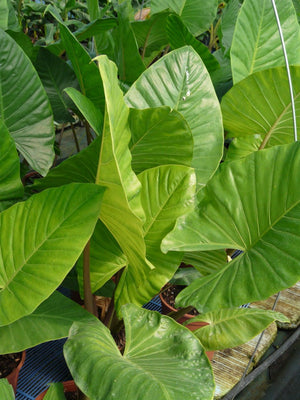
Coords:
127,56
266,106
151,36
159,353
52,320
256,43
24,106
206,262
251,205
159,136
179,36
167,192
80,168
121,210
233,327
196,15
6,390
106,258
41,240
56,75
10,183
180,80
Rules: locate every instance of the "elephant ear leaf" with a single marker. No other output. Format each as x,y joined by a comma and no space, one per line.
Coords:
256,32
232,327
41,239
6,390
158,354
10,183
24,106
180,80
253,205
121,210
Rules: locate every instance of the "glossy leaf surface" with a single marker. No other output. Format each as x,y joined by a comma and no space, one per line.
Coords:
232,327
56,75
229,17
121,210
41,240
10,183
167,192
251,205
196,15
24,106
266,106
159,137
256,43
179,36
180,80
6,390
4,12
158,354
52,320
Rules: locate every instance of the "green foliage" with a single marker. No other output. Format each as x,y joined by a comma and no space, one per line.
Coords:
154,343
6,390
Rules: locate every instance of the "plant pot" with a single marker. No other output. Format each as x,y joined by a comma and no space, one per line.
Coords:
13,376
167,308
69,387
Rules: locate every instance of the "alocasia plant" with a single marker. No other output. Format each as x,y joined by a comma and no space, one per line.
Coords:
155,160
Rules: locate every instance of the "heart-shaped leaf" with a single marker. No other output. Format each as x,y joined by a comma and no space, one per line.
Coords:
256,43
180,80
51,320
233,327
253,205
24,106
41,240
266,107
159,137
159,353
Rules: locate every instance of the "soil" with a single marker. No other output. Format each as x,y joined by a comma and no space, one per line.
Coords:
71,396
8,362
169,294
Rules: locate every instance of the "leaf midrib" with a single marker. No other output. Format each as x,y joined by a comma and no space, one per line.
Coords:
35,250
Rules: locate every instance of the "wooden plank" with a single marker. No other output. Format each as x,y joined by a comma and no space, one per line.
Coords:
229,364
288,304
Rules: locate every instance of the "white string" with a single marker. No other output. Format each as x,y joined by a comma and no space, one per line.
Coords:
287,68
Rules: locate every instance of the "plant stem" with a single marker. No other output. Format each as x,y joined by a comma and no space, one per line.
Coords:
89,137
75,138
88,295
180,313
